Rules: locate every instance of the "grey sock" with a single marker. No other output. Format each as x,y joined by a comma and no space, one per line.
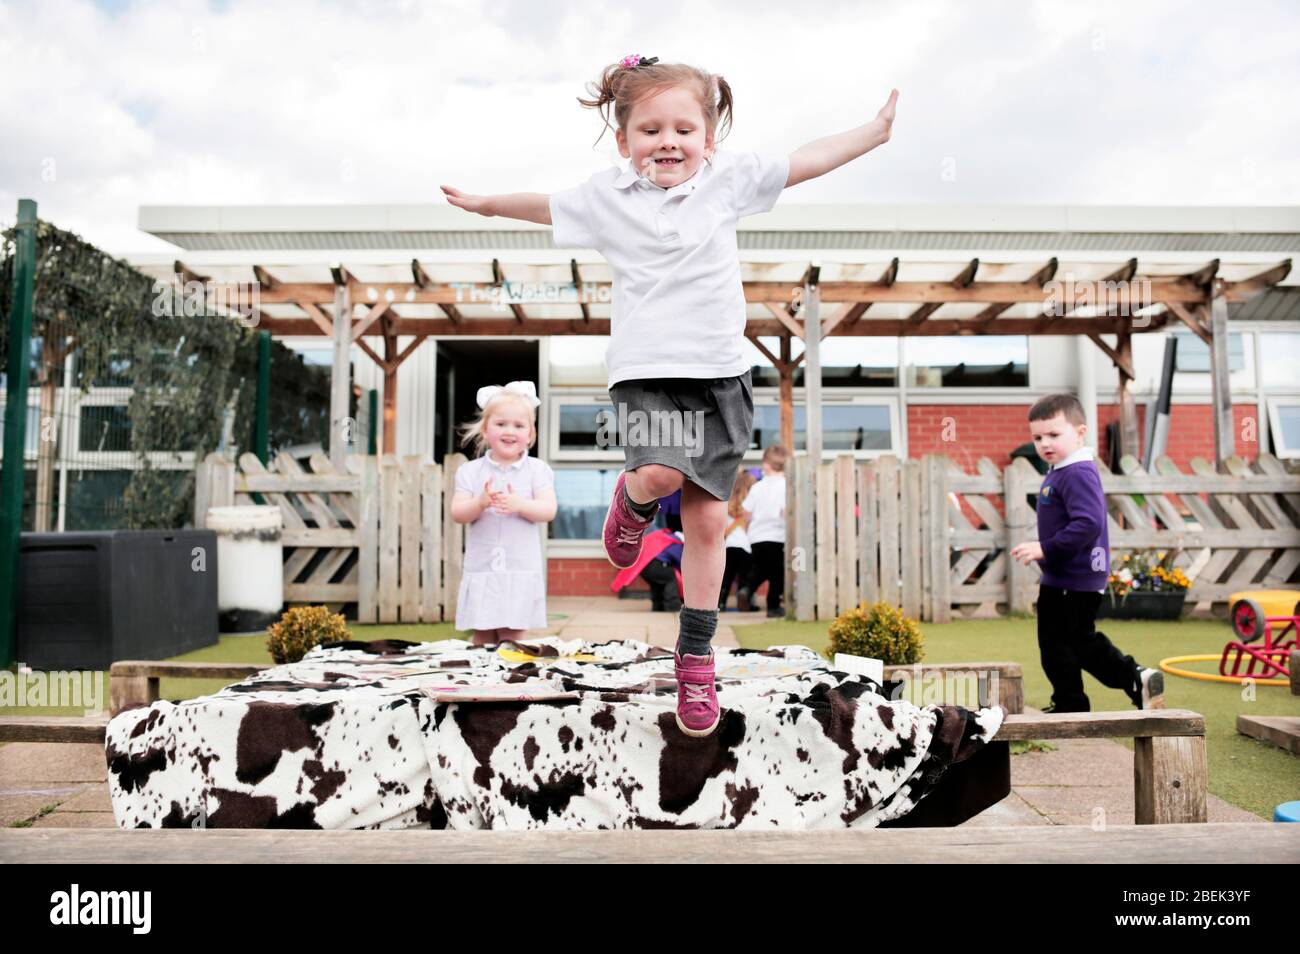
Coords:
644,510
697,629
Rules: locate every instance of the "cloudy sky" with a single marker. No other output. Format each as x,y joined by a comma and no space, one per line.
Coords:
109,106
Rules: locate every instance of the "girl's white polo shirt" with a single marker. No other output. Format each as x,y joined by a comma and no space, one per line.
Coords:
679,303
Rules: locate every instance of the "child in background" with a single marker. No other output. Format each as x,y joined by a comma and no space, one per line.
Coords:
737,539
1074,550
765,522
505,496
661,574
666,225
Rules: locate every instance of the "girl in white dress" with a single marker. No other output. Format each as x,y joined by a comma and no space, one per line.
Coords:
505,496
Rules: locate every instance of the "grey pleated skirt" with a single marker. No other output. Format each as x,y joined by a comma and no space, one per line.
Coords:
699,426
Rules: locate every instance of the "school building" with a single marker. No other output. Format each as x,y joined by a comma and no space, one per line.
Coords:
938,330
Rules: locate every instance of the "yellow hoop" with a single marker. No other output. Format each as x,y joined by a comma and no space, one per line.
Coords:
1166,665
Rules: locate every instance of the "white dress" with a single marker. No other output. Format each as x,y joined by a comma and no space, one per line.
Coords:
502,584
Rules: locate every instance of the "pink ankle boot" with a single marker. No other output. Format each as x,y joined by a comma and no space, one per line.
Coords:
697,698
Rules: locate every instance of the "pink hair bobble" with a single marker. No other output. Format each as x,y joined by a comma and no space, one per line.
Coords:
635,60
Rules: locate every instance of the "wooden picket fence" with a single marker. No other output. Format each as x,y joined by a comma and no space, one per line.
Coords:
379,535
928,537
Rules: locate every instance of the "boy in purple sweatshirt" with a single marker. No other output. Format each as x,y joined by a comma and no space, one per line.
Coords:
1074,550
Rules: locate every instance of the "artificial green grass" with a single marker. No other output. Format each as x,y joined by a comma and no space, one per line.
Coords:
1253,775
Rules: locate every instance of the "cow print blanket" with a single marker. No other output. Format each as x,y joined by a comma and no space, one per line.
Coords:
546,734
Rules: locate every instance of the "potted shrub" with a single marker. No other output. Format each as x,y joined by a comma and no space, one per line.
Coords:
301,628
1144,585
879,631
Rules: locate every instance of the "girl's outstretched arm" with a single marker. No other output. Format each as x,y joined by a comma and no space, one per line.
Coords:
822,155
529,206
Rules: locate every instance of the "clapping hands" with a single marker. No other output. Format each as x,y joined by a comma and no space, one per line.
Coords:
502,502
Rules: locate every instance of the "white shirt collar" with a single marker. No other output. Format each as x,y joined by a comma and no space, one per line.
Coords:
1083,453
629,177
513,466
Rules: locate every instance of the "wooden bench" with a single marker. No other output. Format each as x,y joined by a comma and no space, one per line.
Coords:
995,683
1170,779
1073,844
135,681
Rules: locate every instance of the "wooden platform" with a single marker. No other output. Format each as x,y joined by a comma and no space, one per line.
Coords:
1282,731
1158,844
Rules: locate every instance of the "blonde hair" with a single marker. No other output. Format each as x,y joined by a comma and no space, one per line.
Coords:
476,430
775,457
739,491
624,87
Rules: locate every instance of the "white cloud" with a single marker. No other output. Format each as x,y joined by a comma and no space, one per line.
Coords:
305,102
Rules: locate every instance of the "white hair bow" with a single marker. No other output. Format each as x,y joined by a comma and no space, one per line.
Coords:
525,389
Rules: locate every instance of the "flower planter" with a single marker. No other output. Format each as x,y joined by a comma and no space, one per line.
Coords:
1139,604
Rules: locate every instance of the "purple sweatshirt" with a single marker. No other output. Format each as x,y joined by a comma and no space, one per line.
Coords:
1072,526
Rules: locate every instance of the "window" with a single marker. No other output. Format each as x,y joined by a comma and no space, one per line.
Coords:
1194,354
584,421
1280,360
1284,422
974,361
104,427
583,494
867,427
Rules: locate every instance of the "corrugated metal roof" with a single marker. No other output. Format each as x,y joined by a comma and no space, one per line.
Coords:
1281,244
788,227
1272,304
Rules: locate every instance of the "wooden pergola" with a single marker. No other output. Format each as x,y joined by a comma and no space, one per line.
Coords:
1019,298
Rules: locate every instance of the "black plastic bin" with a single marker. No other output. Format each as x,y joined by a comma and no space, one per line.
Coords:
89,599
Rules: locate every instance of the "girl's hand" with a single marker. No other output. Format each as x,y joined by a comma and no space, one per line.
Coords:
470,203
886,114
485,498
1027,552
508,502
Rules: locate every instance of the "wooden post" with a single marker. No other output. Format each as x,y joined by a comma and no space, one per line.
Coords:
846,527
910,537
389,527
935,470
1169,779
341,378
1128,421
431,542
409,532
786,369
887,488
203,490
1019,598
802,562
126,691
824,478
1220,377
812,372
868,535
223,482
453,538
391,364
368,555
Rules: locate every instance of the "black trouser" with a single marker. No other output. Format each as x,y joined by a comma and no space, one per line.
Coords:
663,586
1070,645
768,564
738,563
